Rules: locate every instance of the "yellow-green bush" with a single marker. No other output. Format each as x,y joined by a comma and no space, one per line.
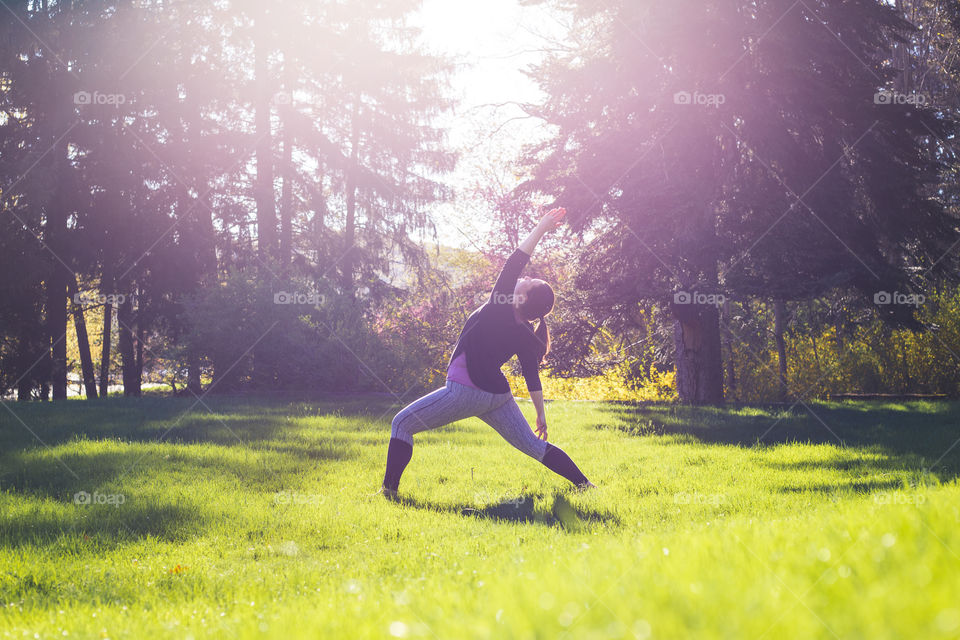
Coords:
612,385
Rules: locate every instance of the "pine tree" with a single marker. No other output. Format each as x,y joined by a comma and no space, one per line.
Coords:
730,149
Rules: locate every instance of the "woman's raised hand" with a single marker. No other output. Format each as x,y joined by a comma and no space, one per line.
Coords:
553,219
548,222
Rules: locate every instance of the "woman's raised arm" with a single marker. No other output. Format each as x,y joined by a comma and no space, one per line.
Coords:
550,221
502,293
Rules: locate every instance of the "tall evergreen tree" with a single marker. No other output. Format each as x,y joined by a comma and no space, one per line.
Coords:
712,149
37,98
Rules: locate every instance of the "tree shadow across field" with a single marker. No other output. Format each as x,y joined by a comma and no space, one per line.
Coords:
104,526
556,510
106,497
120,447
915,436
47,449
224,420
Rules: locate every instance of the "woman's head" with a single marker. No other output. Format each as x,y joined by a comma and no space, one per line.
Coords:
534,298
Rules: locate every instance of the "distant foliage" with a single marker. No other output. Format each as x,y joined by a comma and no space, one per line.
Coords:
307,339
865,356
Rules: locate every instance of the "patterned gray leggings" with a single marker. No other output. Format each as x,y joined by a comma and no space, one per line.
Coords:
456,402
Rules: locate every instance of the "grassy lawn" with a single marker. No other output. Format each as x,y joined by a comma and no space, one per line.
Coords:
257,518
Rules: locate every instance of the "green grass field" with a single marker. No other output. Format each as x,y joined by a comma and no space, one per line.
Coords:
257,519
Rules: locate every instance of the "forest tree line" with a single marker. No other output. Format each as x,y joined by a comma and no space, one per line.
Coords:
232,196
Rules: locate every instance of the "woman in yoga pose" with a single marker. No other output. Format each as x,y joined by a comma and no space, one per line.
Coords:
493,334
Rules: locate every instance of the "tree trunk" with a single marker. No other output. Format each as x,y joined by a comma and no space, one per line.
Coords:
263,190
83,344
731,379
286,197
24,387
779,320
699,363
128,359
207,269
193,372
141,332
816,355
318,229
286,192
106,288
56,329
349,230
60,276
31,349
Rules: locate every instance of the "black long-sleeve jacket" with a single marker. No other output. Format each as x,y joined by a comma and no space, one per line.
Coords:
492,335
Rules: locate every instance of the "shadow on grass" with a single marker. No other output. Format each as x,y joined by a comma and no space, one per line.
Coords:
102,526
866,486
556,510
172,460
916,436
118,492
222,419
107,492
93,465
89,450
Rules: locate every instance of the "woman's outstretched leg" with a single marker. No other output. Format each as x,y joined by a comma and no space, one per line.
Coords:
443,406
510,423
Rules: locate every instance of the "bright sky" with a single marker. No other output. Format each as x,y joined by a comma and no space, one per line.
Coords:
493,40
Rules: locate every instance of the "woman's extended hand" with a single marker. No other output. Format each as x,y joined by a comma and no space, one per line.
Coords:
542,427
552,219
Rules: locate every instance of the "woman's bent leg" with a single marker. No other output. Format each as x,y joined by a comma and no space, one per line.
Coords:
510,423
398,455
443,406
